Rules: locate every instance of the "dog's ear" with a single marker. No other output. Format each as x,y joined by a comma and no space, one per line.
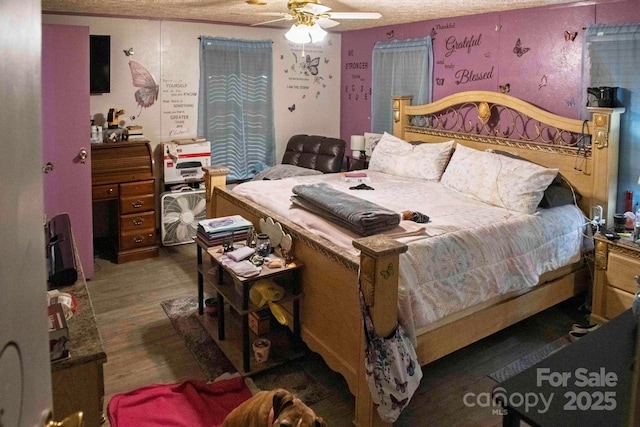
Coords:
320,422
281,399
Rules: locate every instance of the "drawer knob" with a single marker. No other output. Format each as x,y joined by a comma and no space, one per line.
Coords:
138,239
110,191
138,221
137,204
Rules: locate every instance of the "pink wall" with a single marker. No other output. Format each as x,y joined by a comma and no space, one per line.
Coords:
545,69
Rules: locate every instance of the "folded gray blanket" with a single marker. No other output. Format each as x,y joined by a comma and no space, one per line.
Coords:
360,216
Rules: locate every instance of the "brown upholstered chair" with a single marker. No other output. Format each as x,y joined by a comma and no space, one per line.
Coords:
315,152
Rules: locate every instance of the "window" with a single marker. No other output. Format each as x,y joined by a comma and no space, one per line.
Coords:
612,58
235,105
399,67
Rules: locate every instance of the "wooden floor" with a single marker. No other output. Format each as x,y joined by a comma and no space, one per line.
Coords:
143,348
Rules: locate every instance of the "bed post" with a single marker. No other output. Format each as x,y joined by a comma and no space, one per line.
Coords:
605,146
400,117
214,176
379,266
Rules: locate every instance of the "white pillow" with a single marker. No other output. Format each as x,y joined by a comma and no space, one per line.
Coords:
514,184
398,157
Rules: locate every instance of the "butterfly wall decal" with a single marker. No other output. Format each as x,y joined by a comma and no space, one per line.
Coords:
292,108
311,65
439,81
570,36
519,50
143,79
505,88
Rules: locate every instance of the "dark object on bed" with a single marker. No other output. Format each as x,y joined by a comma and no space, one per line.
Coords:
315,152
353,213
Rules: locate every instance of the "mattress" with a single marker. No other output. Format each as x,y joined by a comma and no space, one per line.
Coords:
469,251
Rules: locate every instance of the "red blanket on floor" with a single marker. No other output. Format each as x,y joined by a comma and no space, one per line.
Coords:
189,404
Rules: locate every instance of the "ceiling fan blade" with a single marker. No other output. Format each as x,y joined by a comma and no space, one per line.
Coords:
327,23
284,18
315,8
354,15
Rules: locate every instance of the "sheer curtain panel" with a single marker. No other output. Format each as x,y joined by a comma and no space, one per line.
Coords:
399,67
235,103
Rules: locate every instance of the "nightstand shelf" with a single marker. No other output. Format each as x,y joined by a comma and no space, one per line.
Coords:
230,328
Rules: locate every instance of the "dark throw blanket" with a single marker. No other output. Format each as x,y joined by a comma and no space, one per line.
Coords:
360,216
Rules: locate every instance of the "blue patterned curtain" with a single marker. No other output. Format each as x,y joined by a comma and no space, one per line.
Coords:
399,67
612,58
235,103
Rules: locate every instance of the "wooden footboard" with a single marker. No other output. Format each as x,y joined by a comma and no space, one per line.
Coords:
331,323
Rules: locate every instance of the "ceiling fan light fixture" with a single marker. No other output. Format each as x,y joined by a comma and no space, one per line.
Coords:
299,33
316,32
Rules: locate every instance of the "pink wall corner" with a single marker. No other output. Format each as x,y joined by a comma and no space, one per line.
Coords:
481,52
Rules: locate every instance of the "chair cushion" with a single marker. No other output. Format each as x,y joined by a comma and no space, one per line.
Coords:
315,152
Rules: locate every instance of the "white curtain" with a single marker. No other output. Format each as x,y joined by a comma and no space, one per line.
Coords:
235,104
612,58
399,67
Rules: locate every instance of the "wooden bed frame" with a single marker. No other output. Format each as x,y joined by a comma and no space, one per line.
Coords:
586,154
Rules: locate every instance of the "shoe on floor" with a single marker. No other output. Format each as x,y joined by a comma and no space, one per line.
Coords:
575,336
584,328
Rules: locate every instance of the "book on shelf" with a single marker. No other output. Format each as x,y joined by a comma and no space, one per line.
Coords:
224,224
218,240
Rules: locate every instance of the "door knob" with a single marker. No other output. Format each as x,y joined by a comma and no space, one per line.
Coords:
73,420
82,154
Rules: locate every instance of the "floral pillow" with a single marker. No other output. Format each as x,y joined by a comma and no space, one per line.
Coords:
514,184
395,156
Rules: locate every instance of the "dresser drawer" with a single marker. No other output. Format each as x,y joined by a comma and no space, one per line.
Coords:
104,192
617,301
134,204
621,272
137,188
137,238
138,221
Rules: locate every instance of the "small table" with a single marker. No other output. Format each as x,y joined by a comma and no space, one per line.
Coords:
587,383
235,291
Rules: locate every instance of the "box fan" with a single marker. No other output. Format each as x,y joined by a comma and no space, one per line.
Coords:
180,212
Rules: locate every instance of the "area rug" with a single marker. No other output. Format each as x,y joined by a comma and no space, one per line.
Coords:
529,360
293,376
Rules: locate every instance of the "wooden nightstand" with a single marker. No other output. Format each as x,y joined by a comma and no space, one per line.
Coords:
356,163
617,262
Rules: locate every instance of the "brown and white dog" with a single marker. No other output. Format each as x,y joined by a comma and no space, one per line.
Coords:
275,408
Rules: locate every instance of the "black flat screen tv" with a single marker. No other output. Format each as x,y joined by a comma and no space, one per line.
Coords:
100,64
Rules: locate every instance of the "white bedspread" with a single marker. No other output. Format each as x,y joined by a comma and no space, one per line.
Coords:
470,251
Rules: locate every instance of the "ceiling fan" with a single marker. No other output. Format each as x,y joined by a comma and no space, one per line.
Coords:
311,18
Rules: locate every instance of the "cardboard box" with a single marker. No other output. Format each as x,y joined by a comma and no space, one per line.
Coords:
58,333
260,322
184,162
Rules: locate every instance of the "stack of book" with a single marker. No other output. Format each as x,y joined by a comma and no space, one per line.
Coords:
135,133
215,231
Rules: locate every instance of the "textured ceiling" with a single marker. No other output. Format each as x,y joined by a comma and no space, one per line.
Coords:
241,12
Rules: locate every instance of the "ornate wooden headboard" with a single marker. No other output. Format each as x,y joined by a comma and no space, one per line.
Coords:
585,152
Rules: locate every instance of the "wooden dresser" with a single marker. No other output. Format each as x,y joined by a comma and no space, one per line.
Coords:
124,196
616,265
